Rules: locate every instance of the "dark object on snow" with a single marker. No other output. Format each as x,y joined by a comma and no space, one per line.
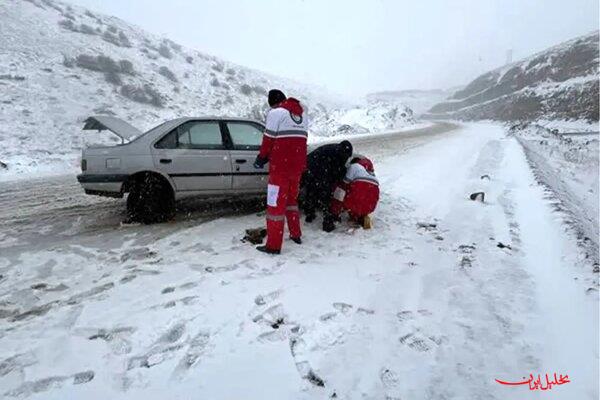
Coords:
478,196
297,240
486,176
426,225
255,236
325,167
315,379
501,245
3,165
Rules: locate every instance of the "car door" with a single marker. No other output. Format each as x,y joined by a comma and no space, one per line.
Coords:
245,138
194,155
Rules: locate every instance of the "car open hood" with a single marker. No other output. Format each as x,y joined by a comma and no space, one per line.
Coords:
113,124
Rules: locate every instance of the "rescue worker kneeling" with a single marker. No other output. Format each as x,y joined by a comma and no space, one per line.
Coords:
358,194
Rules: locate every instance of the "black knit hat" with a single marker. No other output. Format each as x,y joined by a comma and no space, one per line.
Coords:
346,149
276,96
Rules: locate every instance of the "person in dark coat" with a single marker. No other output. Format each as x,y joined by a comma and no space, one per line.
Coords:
325,167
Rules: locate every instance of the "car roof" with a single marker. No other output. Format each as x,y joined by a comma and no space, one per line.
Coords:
214,117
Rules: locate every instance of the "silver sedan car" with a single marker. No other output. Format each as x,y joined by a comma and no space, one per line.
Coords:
205,156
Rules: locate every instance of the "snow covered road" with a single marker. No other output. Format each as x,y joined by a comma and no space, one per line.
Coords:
424,306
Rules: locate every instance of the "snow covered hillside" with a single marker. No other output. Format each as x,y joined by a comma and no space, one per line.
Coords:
375,116
559,83
441,298
61,63
420,101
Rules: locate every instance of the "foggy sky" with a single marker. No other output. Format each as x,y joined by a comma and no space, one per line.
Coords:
360,46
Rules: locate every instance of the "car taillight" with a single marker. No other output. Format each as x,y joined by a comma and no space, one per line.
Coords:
83,164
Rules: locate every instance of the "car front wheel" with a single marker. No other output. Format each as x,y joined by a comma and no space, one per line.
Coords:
150,200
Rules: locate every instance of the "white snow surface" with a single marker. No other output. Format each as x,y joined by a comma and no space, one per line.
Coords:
423,306
51,81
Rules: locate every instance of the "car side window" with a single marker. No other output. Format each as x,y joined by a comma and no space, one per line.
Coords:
193,135
245,136
169,141
200,135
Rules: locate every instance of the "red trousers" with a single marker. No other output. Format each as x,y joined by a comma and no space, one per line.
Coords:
282,204
358,198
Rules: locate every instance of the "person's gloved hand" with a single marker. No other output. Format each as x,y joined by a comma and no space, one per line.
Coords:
260,162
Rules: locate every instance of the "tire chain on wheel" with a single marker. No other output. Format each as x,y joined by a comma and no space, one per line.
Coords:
150,201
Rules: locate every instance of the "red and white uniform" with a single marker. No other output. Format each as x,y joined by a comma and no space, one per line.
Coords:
359,192
284,145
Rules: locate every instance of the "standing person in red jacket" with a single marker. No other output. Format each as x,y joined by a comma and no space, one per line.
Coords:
284,148
358,193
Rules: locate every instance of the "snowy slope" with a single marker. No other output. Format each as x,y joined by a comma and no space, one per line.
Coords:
376,116
420,101
61,63
424,306
558,83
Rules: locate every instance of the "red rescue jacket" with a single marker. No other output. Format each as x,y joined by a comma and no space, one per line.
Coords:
284,140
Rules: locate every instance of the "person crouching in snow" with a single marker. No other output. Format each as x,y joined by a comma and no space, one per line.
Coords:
284,148
358,194
326,166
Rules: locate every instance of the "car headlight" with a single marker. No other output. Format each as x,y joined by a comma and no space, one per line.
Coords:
113,163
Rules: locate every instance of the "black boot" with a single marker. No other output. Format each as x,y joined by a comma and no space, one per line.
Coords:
310,217
328,223
265,249
296,240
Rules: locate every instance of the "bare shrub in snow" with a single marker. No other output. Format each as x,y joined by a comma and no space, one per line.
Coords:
126,67
68,24
165,51
113,78
258,112
214,82
189,59
111,38
8,77
218,67
112,29
124,40
230,71
246,89
68,62
172,44
86,29
52,5
167,73
146,95
117,39
259,90
99,63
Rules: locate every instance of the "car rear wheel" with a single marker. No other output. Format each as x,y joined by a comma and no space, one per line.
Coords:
150,200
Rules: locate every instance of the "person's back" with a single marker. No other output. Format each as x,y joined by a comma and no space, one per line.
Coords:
363,190
287,126
326,165
358,193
